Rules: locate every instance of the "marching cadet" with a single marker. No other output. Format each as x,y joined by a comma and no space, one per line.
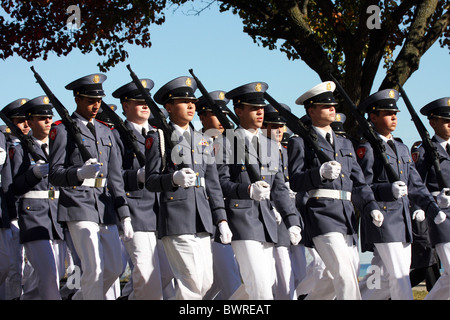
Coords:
142,248
92,191
13,284
40,233
226,271
250,213
286,270
191,200
6,258
438,113
390,234
332,186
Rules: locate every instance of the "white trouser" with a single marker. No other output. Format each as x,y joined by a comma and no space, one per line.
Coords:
226,272
315,271
98,247
394,260
441,289
146,274
167,277
47,259
13,283
283,288
190,258
257,268
342,261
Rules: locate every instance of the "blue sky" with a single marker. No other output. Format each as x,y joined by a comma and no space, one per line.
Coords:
222,57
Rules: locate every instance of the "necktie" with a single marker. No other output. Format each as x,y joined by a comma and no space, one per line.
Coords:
328,137
392,145
255,145
144,133
92,129
44,149
447,147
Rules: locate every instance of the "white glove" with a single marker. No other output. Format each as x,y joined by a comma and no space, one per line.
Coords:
377,217
2,156
278,218
418,215
141,175
330,170
128,231
40,169
399,189
441,216
292,194
89,170
442,199
295,235
184,178
225,232
260,190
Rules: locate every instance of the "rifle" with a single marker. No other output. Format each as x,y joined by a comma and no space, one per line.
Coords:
369,133
125,132
25,140
161,122
71,126
428,145
226,124
298,127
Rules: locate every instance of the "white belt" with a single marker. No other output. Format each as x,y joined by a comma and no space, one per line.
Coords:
435,193
94,183
330,193
41,194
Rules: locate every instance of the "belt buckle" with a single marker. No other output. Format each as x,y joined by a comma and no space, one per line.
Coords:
51,194
343,194
98,182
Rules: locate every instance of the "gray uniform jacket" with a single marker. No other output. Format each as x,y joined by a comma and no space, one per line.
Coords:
143,203
250,219
37,216
396,226
184,210
85,203
322,214
6,182
438,233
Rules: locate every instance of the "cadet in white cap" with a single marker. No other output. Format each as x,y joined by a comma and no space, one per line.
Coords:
330,221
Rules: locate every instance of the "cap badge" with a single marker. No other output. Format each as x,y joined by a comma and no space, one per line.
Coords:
258,87
23,101
448,102
338,117
144,83
96,78
222,95
328,86
391,94
188,82
46,100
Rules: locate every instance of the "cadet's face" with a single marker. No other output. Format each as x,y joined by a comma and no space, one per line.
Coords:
210,122
181,111
275,131
136,111
250,117
40,125
22,124
441,127
322,115
88,107
385,122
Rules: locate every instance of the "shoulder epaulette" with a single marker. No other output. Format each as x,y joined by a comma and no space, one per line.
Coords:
105,124
57,123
